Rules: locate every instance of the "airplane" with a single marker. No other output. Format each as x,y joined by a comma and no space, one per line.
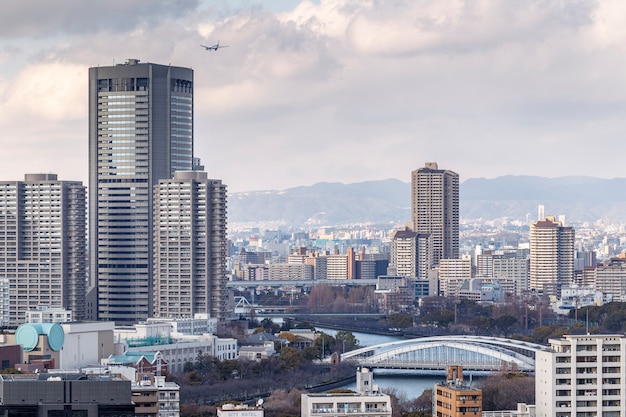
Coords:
214,47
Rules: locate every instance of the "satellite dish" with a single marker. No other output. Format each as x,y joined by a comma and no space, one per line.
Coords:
259,402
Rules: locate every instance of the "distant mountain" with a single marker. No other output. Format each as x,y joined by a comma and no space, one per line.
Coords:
388,201
325,203
578,198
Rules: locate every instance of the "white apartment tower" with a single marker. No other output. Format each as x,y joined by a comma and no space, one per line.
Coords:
582,376
551,256
140,131
42,246
190,246
411,254
435,209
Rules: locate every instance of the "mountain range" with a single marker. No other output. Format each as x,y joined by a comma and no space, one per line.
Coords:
580,199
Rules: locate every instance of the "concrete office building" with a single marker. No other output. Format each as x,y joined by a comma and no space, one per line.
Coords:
190,247
65,394
582,375
435,209
411,254
42,246
140,131
551,256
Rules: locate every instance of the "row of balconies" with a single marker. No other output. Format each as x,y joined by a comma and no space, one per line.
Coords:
348,410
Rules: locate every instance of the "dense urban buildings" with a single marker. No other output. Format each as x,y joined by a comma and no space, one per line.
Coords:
581,375
551,256
190,246
42,246
435,209
140,131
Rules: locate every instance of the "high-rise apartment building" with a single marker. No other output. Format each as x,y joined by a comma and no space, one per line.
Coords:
411,254
581,375
42,246
190,246
140,131
551,256
435,209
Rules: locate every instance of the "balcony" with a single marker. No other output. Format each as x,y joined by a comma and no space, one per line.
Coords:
349,411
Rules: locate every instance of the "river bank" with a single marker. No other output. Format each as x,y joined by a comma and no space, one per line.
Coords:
352,324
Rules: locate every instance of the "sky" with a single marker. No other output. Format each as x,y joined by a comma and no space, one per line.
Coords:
333,90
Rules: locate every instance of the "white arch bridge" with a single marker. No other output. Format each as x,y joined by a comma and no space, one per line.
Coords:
474,353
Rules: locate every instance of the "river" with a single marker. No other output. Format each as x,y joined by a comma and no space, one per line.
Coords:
410,385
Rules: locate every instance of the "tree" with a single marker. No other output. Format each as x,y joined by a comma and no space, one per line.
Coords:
291,357
424,403
504,391
441,317
504,323
400,320
345,341
482,324
287,336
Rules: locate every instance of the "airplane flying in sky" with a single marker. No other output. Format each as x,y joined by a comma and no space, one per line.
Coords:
214,47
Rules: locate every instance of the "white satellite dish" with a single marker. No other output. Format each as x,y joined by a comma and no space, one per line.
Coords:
259,402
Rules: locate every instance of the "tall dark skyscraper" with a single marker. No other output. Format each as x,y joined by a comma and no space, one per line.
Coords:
140,131
435,209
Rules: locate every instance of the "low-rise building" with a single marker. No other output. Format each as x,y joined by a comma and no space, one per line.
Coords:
454,398
65,394
522,410
368,401
155,397
240,410
177,349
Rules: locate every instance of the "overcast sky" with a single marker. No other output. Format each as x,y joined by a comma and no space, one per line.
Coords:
333,90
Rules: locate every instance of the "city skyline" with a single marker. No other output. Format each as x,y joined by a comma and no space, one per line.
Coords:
304,84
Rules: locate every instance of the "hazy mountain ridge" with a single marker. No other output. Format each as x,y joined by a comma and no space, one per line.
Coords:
388,201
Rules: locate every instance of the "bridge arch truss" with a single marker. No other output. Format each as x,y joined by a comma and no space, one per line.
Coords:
474,353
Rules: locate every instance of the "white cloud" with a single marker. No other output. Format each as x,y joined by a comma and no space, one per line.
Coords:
340,90
49,92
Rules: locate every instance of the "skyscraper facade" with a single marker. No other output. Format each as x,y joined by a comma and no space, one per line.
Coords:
42,246
140,131
190,246
411,254
435,209
551,256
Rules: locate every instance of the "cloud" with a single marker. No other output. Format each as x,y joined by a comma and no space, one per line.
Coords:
37,19
342,90
45,92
